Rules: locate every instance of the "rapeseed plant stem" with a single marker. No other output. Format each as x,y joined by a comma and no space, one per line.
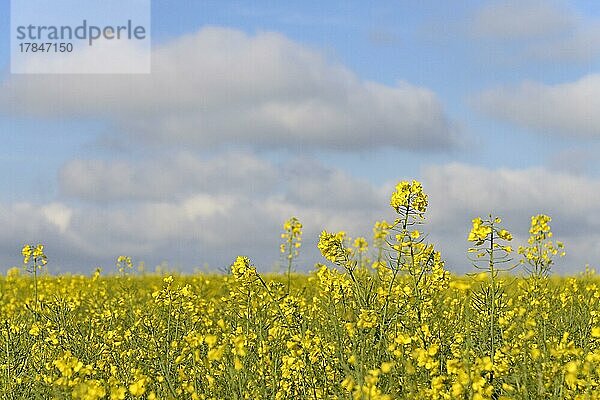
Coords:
493,302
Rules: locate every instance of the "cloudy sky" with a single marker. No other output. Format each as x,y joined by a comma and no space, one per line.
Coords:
258,111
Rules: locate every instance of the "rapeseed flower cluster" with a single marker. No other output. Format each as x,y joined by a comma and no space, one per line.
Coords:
292,236
409,196
35,254
539,253
333,248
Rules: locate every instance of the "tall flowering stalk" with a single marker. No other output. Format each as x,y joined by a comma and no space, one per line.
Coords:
538,259
34,258
412,255
492,253
410,203
538,256
292,240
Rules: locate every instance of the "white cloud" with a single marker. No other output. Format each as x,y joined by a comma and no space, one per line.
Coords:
568,109
58,214
109,181
520,20
580,45
222,86
203,205
534,31
194,225
211,209
576,161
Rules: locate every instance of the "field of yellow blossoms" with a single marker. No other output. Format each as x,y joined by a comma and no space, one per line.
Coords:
379,319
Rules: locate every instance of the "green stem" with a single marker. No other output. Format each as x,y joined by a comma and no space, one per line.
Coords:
290,258
35,285
8,371
493,296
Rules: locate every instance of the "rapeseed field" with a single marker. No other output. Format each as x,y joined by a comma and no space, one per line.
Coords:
378,319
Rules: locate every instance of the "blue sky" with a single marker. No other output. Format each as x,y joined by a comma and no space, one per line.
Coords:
258,111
